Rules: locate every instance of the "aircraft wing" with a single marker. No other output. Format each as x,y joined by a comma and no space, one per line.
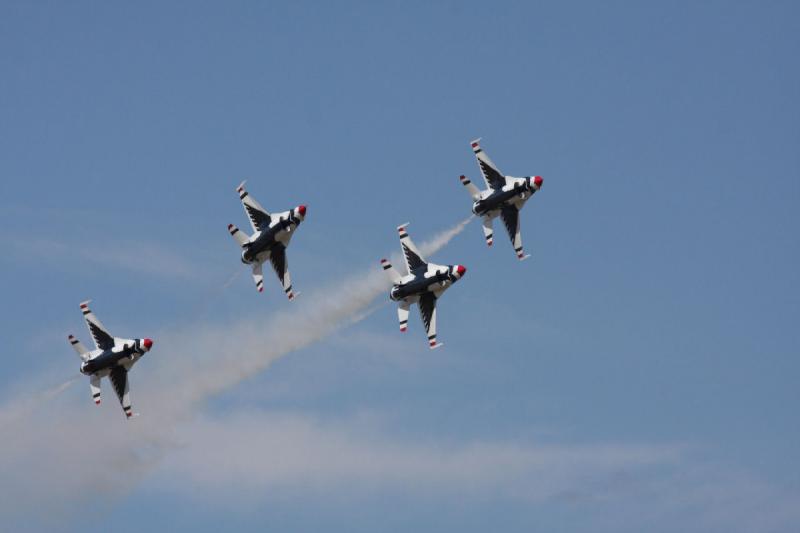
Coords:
411,254
427,308
102,338
493,177
259,217
510,216
278,259
119,379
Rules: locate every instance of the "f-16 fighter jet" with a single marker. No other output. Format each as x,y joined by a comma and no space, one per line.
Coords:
424,284
504,196
112,357
271,236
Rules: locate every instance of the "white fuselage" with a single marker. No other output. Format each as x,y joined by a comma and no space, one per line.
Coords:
515,191
124,353
281,230
430,278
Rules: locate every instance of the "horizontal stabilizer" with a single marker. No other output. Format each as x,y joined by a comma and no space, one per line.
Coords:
258,276
471,188
238,235
402,316
391,272
94,387
79,348
488,232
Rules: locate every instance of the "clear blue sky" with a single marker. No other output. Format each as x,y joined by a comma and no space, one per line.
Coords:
639,373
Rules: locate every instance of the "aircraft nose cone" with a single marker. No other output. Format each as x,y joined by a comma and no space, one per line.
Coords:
461,269
302,210
537,180
148,343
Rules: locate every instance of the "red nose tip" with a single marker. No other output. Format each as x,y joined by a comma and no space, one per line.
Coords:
461,269
148,344
538,181
302,210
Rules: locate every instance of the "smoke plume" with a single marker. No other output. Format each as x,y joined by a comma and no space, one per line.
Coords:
56,455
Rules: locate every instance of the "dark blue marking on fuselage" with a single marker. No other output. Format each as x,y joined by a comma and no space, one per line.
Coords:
420,284
267,239
498,199
109,359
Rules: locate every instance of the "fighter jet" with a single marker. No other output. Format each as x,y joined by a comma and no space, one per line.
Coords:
424,284
112,357
271,236
504,196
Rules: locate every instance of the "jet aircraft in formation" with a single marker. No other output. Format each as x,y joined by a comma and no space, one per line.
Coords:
423,284
271,236
503,196
112,357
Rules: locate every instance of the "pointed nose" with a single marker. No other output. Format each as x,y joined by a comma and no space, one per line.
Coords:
302,210
461,269
537,180
148,343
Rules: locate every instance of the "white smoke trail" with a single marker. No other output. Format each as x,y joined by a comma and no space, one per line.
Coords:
72,453
233,278
441,240
25,405
246,349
